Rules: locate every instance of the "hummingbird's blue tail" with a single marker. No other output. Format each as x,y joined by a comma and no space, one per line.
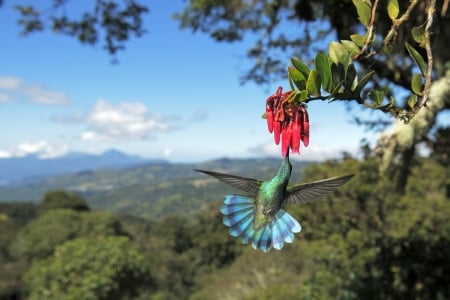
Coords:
239,215
283,228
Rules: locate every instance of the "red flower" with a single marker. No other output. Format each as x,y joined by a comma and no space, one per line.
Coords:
287,119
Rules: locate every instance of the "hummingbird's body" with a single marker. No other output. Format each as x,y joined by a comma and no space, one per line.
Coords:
258,217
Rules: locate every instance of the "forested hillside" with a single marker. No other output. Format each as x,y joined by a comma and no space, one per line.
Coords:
363,242
151,190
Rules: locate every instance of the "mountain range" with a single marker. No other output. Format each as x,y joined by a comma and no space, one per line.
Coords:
152,189
19,170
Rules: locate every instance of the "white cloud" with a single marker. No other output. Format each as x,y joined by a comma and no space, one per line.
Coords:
14,88
5,154
126,120
10,82
41,148
311,153
5,98
41,95
167,152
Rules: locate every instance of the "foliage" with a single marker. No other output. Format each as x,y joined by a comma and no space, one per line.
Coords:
39,238
364,241
90,268
62,199
285,29
150,191
367,243
111,21
336,73
20,212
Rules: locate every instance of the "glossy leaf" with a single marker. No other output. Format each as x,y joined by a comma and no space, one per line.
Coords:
418,34
351,79
363,82
376,96
412,101
350,46
358,39
363,9
300,66
393,9
417,58
313,83
291,82
338,74
297,77
416,84
303,95
336,51
323,68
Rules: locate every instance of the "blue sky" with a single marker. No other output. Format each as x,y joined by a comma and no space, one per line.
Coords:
174,95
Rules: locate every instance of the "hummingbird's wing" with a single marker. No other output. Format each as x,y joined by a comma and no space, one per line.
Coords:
248,185
312,191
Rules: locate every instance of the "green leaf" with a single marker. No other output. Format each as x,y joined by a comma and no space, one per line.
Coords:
417,58
297,77
358,39
300,66
418,34
303,95
313,83
376,96
350,46
337,88
336,51
337,73
363,82
393,9
416,84
323,68
293,97
412,101
351,79
291,82
363,9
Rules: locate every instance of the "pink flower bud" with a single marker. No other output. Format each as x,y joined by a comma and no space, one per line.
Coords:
305,126
296,131
269,116
286,137
276,131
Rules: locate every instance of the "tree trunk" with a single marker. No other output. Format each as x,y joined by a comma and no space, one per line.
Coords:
396,146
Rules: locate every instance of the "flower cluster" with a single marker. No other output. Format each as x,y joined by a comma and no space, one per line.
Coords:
288,121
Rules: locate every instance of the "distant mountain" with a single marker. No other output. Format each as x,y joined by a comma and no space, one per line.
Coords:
19,170
151,190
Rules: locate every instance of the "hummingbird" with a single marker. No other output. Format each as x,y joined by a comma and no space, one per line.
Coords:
258,216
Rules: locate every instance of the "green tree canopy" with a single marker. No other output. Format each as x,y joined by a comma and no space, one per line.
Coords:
90,268
59,199
39,238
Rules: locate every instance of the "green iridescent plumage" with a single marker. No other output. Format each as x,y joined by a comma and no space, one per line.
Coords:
258,217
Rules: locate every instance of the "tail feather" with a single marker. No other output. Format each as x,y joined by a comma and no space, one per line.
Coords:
263,238
291,223
236,199
248,234
239,216
283,228
277,236
236,217
242,226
